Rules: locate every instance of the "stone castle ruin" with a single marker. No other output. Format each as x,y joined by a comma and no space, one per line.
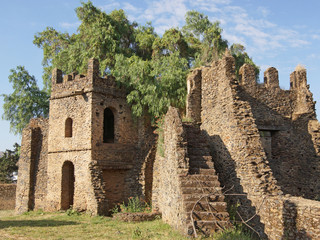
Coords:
256,141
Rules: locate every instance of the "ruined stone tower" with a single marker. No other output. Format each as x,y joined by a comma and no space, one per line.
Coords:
94,148
258,142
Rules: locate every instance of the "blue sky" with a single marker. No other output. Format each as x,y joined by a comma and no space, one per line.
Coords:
275,33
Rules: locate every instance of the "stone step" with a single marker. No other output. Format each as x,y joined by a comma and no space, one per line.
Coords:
192,197
187,182
218,216
197,143
199,177
198,152
203,171
204,158
190,190
205,206
201,164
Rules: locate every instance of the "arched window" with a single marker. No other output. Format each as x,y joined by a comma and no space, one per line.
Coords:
68,128
108,126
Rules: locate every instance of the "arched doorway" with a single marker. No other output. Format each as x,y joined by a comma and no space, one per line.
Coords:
67,185
108,126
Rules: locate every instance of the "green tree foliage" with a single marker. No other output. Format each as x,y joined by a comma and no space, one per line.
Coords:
241,57
27,100
99,36
204,37
153,68
8,164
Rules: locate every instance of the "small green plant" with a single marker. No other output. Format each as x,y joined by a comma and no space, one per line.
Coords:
135,204
137,232
187,119
72,212
115,210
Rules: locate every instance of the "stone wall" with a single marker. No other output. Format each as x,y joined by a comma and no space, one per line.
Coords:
291,218
232,115
288,117
32,174
193,106
7,196
167,186
95,150
235,140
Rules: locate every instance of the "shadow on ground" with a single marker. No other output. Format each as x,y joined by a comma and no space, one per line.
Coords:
34,223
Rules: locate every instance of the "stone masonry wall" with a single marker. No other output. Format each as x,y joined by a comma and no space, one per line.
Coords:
285,116
32,175
167,187
235,141
193,108
230,122
99,166
7,196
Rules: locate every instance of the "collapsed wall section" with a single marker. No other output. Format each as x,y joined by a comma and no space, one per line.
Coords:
7,196
232,123
167,186
32,175
234,138
287,122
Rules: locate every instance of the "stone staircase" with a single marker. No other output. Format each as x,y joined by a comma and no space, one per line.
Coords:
201,192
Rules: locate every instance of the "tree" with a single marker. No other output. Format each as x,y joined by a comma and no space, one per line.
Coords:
241,57
27,100
99,36
153,68
8,164
205,37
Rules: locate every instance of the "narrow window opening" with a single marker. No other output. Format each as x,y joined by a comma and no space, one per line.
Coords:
68,128
108,126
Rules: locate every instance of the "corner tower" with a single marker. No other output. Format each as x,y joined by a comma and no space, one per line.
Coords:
91,143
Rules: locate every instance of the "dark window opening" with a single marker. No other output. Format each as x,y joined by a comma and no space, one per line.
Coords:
108,126
68,128
67,185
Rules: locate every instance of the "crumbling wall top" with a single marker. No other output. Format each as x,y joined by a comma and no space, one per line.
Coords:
78,84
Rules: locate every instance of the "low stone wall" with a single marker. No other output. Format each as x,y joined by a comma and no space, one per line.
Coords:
291,218
7,196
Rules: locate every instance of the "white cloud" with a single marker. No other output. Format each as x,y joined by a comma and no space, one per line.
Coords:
69,25
130,8
316,37
165,14
263,11
109,7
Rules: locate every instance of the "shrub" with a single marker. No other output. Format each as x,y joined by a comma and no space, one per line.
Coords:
135,204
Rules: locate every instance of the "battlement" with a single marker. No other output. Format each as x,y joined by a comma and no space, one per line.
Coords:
247,79
78,84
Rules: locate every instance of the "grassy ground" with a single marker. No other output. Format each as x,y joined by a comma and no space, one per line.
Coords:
39,225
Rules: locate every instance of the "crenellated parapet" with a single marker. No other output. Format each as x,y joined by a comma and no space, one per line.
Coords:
247,75
78,84
271,78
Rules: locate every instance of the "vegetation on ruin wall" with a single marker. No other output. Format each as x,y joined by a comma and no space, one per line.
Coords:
153,68
8,164
39,225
